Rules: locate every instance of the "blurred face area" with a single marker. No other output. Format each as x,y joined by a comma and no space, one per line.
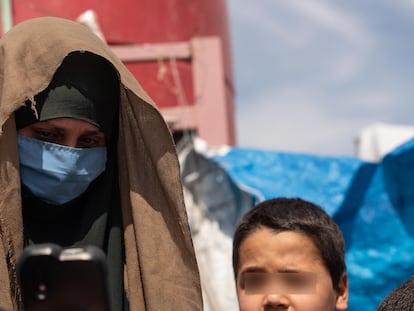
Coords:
284,271
67,132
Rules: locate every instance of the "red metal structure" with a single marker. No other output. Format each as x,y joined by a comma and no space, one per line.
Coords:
179,50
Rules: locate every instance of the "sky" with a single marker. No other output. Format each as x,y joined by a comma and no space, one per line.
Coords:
311,74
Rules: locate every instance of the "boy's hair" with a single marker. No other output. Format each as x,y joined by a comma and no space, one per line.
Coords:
285,214
401,298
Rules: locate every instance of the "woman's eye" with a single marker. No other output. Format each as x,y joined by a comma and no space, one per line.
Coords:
87,142
90,142
47,135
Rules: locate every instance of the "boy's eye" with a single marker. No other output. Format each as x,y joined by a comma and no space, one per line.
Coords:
283,282
298,282
256,282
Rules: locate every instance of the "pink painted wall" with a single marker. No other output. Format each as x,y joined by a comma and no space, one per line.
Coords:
151,21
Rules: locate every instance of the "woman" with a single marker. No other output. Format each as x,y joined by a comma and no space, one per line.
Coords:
64,94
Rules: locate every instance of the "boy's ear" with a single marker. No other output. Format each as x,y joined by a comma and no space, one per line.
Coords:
342,293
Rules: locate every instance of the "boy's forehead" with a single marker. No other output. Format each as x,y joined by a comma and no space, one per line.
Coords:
270,251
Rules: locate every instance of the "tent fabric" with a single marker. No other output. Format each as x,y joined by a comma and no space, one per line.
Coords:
214,205
373,203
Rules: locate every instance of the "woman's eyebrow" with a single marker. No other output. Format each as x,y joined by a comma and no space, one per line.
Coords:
48,127
93,132
51,126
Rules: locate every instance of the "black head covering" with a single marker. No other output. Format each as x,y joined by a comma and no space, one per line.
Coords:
85,87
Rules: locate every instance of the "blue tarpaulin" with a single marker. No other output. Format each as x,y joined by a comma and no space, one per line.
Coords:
373,203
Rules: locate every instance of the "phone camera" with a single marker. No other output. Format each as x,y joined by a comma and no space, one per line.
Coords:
41,293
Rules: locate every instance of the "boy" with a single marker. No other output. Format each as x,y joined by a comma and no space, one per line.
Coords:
288,254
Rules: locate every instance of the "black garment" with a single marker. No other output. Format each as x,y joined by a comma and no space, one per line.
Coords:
85,87
91,219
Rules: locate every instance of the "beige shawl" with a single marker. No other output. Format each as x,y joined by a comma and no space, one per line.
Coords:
161,270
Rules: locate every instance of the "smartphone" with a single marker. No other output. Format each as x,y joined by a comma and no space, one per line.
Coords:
66,279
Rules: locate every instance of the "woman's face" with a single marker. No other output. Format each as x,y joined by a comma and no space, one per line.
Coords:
284,271
67,132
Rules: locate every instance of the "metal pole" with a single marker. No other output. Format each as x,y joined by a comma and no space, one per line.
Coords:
7,22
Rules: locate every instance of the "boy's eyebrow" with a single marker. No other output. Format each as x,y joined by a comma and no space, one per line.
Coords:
291,271
260,269
254,269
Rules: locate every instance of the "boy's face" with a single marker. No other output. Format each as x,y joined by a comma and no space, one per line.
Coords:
284,271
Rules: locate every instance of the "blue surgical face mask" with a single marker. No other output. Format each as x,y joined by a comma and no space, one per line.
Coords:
58,174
